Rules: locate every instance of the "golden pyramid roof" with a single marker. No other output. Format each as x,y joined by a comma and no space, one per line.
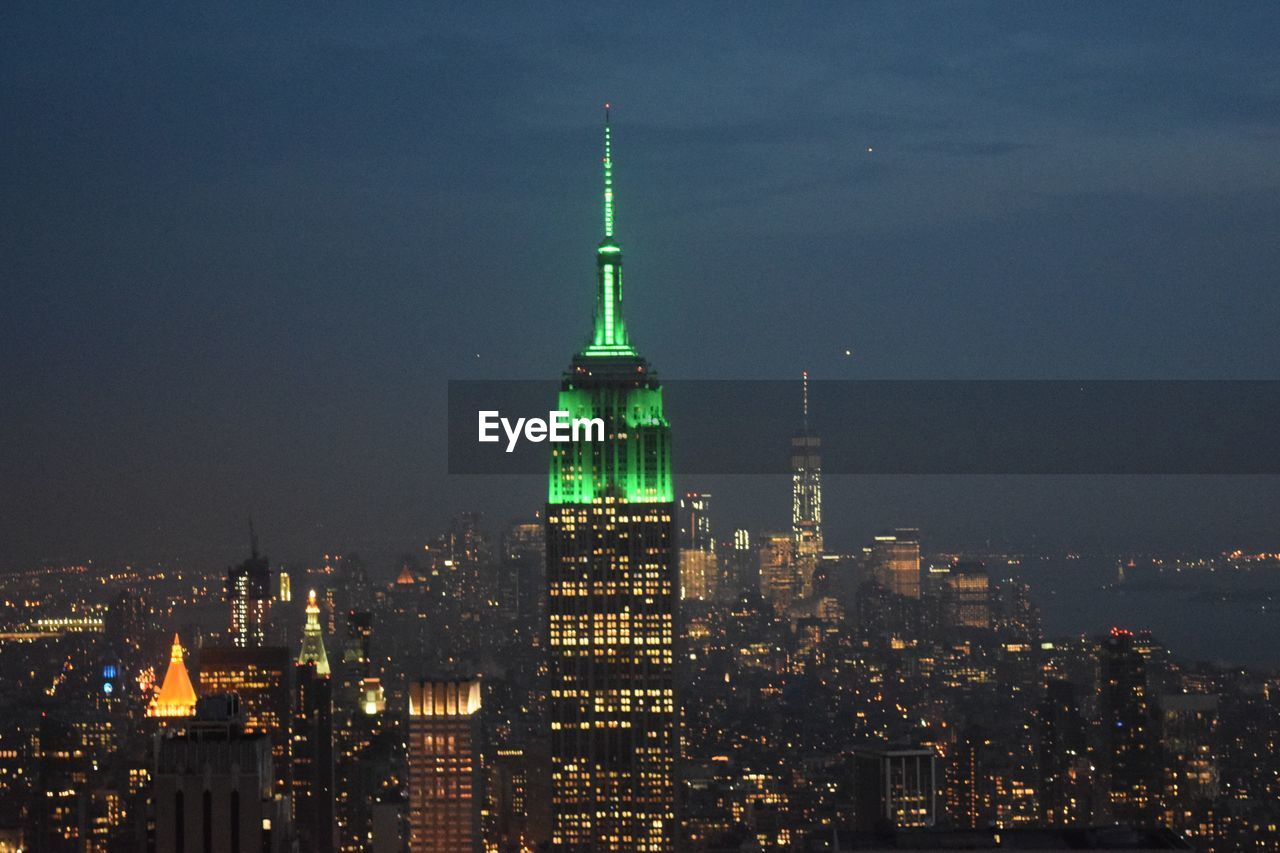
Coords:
176,697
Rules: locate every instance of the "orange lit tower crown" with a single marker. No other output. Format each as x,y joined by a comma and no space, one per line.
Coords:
176,697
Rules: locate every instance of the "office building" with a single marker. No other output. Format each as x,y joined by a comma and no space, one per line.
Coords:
896,561
895,788
445,768
262,679
214,787
612,591
312,738
806,485
248,591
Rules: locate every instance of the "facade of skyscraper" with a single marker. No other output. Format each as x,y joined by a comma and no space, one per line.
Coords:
806,486
353,729
779,584
1128,750
1066,767
214,788
695,521
1190,774
262,679
520,587
895,787
968,596
248,591
312,738
896,561
699,563
612,592
444,759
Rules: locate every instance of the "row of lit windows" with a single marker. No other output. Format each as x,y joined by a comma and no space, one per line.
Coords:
624,692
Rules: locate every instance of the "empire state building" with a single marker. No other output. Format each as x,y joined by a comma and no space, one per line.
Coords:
612,590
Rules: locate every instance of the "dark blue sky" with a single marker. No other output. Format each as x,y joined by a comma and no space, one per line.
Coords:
242,248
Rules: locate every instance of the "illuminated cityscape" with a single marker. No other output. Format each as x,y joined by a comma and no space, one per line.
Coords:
827,701
262,263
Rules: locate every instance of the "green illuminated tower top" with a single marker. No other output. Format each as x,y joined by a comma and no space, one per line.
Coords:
610,334
609,380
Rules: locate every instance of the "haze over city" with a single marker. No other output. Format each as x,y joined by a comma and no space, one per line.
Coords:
245,248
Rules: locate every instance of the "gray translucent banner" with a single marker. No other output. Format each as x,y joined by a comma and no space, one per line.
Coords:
921,427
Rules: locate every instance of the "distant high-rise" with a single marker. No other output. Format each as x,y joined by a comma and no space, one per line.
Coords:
357,713
968,596
613,591
695,521
806,485
1128,748
312,734
248,590
444,767
262,678
312,651
895,788
896,561
699,574
970,796
1066,768
75,808
741,567
1190,782
778,582
699,565
125,626
521,591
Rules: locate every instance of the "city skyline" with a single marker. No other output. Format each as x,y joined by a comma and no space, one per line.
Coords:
933,572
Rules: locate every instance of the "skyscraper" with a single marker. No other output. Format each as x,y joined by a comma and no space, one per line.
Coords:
695,521
521,590
214,786
896,561
358,715
1066,780
444,767
312,651
968,596
778,582
1190,778
313,777
806,484
262,679
612,590
895,787
248,590
699,570
1126,720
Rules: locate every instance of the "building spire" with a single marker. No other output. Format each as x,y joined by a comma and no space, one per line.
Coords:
804,378
608,177
176,697
609,337
312,650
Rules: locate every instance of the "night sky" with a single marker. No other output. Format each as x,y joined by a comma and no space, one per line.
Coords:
243,247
